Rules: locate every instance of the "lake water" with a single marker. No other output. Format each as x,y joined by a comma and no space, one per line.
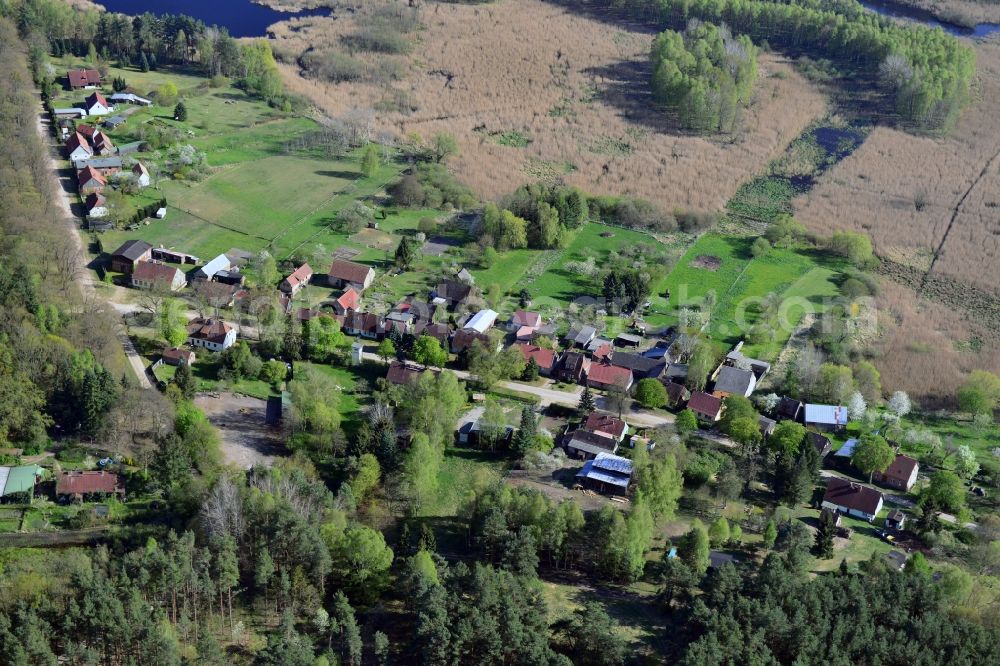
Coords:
241,17
912,14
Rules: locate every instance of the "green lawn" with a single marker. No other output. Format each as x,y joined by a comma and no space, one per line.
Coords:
264,188
508,269
463,470
803,277
592,239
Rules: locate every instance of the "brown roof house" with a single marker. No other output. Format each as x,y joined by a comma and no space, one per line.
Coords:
901,473
83,78
402,373
154,275
103,144
96,105
177,356
464,338
96,205
365,324
586,445
706,407
440,332
676,393
211,334
76,485
789,408
452,293
297,280
605,424
606,376
852,498
90,180
344,273
573,367
131,252
822,443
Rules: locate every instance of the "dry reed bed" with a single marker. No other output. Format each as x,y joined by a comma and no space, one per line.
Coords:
903,190
515,62
977,10
924,347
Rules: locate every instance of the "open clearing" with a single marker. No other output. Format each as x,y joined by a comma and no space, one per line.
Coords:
575,87
803,278
246,440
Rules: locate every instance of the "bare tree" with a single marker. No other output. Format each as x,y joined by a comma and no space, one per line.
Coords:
222,513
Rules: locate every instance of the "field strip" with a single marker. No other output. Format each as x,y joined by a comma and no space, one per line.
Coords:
217,224
323,204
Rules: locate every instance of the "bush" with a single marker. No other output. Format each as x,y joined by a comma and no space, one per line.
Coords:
407,192
378,39
72,454
332,66
702,467
694,222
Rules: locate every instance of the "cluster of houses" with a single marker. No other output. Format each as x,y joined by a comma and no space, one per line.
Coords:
95,104
96,159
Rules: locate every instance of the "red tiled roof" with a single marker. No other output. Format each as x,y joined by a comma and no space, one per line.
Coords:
87,130
545,358
97,98
89,173
73,483
212,330
77,140
79,78
349,300
603,352
150,270
140,169
302,274
901,468
605,423
102,141
705,404
342,269
609,375
852,495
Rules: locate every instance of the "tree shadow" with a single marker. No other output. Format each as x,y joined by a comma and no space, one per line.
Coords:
626,86
342,175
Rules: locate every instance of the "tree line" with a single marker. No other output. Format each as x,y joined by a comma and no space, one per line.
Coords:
927,73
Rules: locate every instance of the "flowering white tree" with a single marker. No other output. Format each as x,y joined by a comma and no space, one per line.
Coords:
899,404
857,406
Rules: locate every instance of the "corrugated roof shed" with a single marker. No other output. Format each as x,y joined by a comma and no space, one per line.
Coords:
613,463
608,468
